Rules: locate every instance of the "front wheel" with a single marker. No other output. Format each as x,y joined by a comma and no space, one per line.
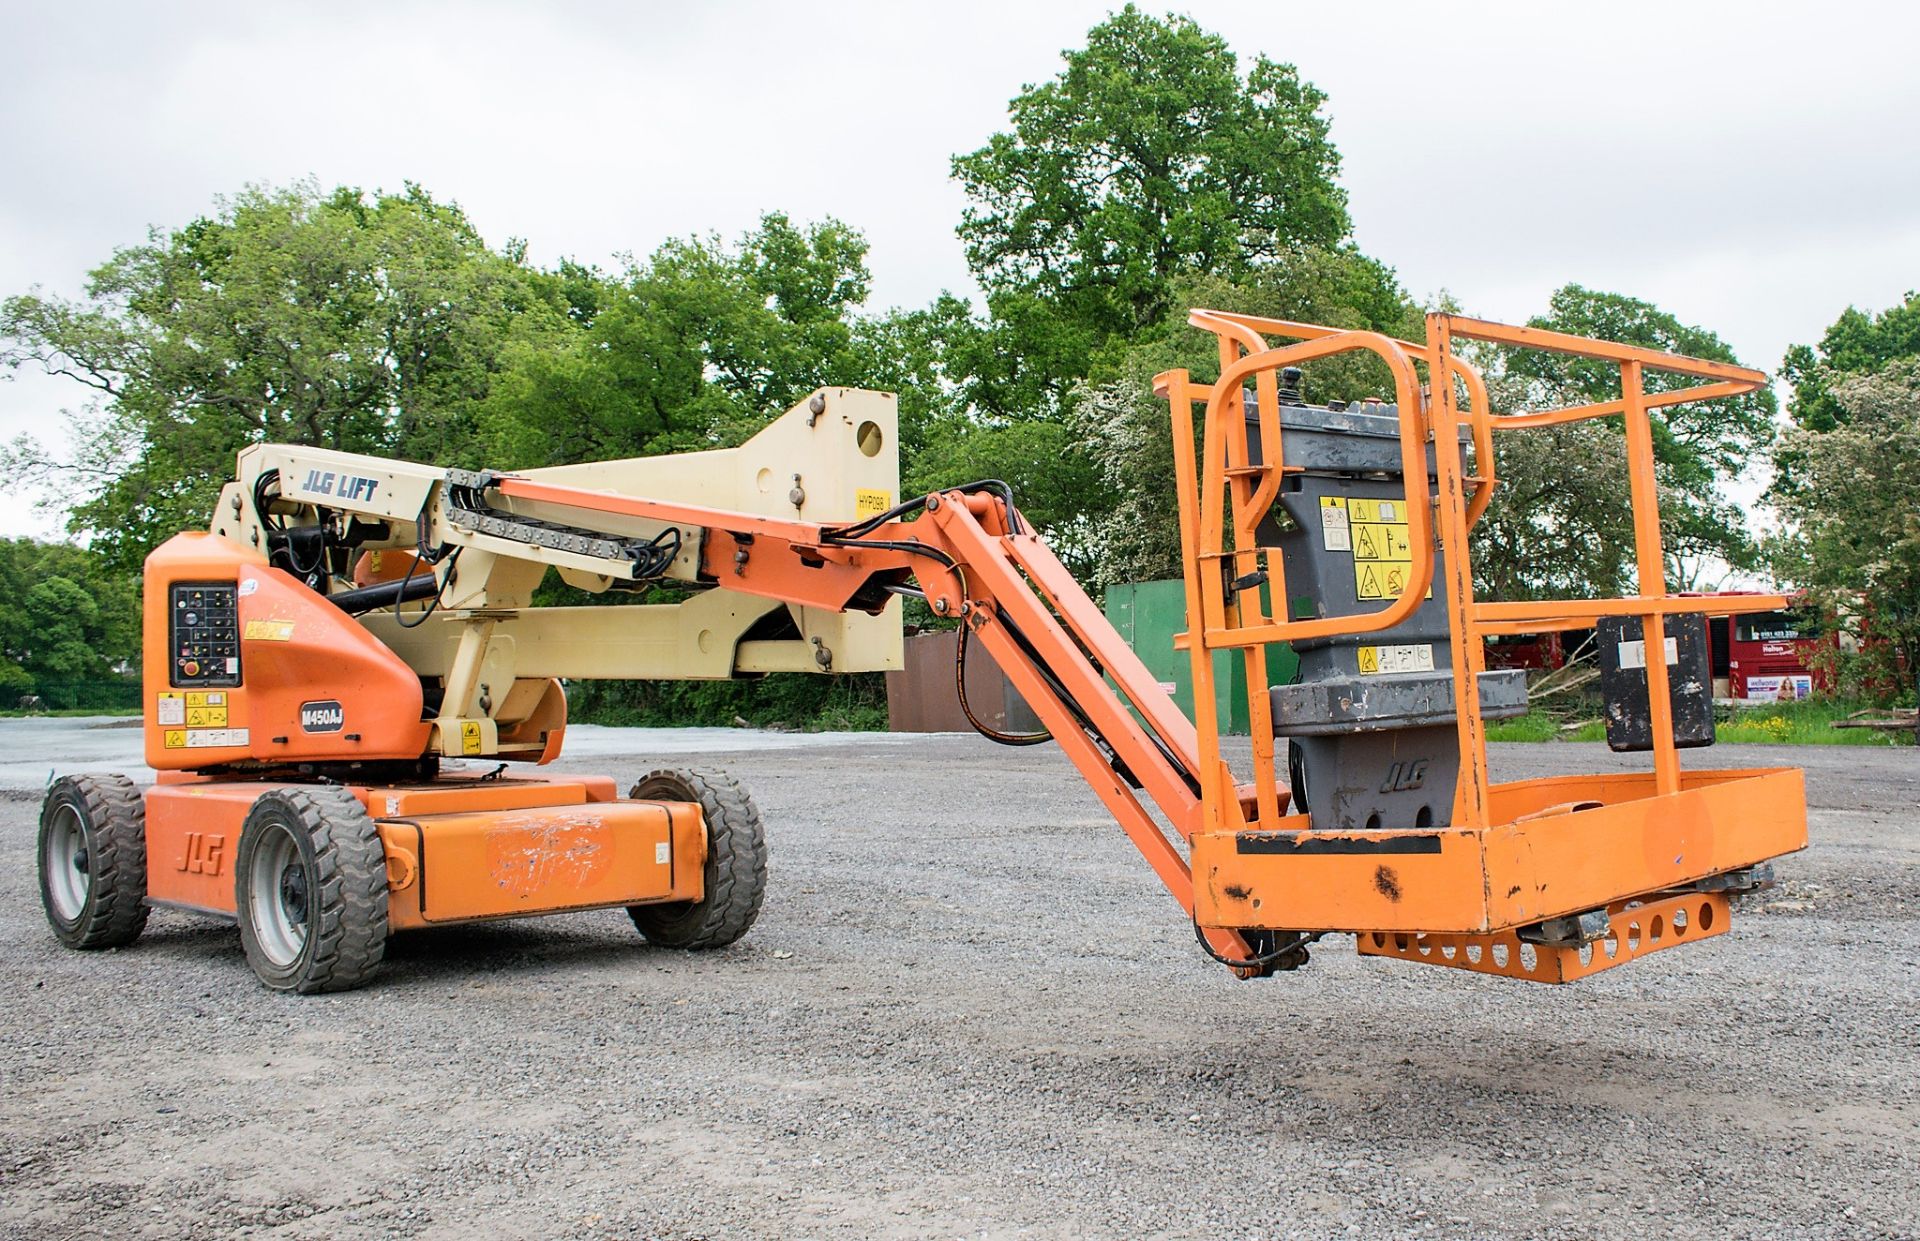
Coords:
93,861
310,886
736,869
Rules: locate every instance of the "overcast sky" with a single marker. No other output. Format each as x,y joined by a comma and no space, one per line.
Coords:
1754,167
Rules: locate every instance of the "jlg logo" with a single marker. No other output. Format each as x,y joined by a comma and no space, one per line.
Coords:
346,486
203,853
1403,776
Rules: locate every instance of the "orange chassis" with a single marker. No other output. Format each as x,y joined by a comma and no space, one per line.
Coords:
494,848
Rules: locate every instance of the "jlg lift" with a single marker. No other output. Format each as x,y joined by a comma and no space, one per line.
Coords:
343,672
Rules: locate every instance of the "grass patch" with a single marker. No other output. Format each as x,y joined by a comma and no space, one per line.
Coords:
1809,722
1801,723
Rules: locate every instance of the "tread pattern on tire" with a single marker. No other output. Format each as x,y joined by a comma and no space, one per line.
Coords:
736,869
349,935
116,813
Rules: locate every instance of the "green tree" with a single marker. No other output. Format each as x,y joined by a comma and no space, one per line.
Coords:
694,348
1851,515
1561,523
368,323
1857,343
1150,174
69,627
1148,160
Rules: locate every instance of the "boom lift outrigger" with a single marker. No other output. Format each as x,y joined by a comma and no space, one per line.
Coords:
351,621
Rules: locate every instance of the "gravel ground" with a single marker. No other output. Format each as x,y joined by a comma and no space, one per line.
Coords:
968,1010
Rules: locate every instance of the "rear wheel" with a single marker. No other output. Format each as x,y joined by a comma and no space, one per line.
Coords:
93,861
310,887
736,868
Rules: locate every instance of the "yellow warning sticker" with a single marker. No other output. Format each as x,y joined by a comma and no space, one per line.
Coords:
470,737
1380,660
207,698
871,502
1382,549
1382,579
269,631
206,717
176,739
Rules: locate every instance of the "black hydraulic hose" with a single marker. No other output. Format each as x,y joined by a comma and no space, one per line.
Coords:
409,589
1260,961
966,708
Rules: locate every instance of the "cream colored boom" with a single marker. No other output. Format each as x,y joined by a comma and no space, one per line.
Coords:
831,458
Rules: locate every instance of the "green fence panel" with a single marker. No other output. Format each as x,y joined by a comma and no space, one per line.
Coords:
1149,614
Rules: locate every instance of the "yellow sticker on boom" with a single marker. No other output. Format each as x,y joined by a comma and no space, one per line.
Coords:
470,736
871,502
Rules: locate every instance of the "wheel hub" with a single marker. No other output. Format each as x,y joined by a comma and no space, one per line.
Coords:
293,892
66,867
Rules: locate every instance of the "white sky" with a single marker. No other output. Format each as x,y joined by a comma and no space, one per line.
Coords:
1753,167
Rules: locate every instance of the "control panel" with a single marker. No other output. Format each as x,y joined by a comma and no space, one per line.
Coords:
204,633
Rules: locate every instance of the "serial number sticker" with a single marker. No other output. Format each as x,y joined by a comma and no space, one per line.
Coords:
269,631
662,853
1385,660
171,712
1334,531
870,502
1634,654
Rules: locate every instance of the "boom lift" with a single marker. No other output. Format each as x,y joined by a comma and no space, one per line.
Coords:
342,672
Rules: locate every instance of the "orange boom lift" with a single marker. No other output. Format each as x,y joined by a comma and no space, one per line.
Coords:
347,675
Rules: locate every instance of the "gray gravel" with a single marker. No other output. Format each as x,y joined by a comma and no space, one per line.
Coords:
968,1010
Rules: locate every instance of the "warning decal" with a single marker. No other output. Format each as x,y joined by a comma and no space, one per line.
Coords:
1384,660
197,709
204,738
268,631
1333,524
470,736
1382,549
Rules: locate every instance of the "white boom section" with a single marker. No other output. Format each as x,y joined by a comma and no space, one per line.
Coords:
832,458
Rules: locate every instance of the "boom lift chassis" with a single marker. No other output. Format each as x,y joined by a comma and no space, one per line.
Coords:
350,622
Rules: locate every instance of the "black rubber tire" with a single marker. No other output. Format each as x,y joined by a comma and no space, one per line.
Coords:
736,869
112,821
343,892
